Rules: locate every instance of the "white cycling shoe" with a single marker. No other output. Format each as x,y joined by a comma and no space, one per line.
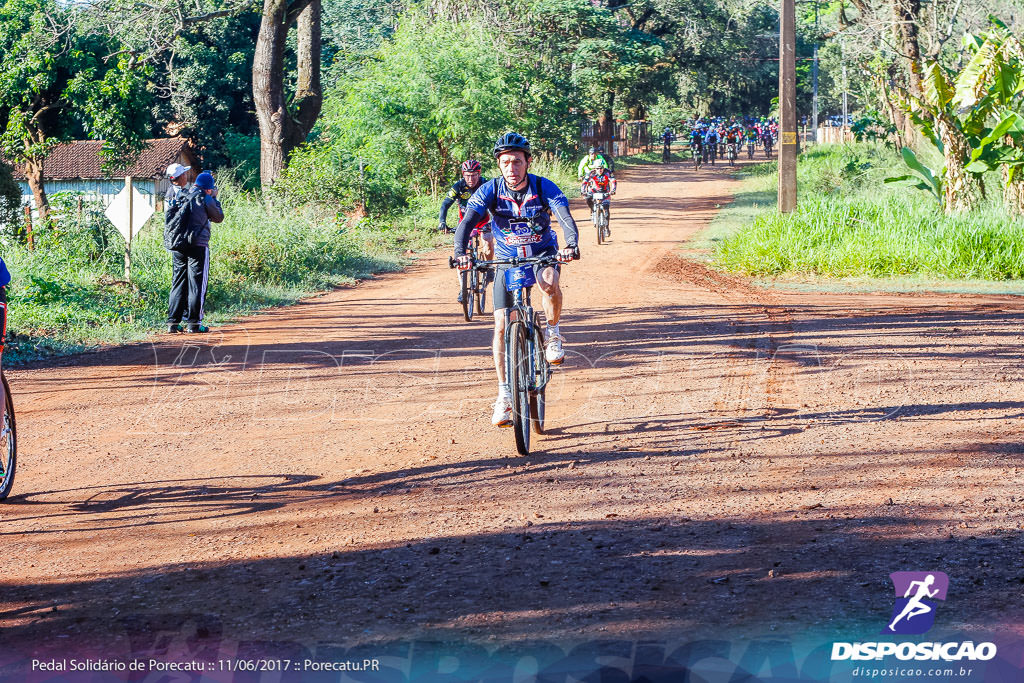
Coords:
502,416
553,351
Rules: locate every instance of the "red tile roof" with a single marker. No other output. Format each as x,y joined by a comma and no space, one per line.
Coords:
81,159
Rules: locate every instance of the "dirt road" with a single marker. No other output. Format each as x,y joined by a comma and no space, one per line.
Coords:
723,459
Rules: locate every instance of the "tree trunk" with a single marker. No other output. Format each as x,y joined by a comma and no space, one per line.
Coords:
34,175
962,189
907,15
281,130
1013,192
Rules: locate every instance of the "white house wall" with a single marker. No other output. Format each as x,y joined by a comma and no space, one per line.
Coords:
103,190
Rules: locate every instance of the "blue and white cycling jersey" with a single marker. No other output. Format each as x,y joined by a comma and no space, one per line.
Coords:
5,275
513,235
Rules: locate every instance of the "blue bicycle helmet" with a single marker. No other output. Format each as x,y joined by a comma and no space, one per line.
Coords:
510,142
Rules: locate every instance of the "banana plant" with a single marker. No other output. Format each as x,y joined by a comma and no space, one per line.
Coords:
927,179
991,84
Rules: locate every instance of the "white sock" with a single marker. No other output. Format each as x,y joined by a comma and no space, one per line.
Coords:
552,330
504,391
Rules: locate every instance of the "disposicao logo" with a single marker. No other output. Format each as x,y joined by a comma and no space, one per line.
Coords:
913,614
916,593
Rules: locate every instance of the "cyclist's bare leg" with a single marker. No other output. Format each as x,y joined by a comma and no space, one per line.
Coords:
498,344
551,300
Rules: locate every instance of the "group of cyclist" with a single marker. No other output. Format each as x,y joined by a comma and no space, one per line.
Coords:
716,138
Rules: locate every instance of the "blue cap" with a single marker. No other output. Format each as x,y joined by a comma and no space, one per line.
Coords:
204,181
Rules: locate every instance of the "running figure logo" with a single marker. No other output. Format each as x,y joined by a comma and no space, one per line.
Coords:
916,593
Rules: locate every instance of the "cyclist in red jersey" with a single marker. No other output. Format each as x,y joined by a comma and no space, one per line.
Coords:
599,179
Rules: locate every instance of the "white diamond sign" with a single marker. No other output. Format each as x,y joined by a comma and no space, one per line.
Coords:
117,212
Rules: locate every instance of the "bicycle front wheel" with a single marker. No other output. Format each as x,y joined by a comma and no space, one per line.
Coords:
8,442
468,280
481,293
517,351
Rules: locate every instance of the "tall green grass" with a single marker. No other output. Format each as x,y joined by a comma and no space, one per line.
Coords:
848,222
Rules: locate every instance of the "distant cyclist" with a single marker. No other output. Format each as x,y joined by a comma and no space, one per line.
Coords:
666,138
711,143
513,200
460,193
587,163
599,179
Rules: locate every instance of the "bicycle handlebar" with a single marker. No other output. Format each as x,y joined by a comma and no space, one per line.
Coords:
516,261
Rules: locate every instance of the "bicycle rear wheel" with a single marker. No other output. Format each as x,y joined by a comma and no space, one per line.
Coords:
8,442
467,279
517,351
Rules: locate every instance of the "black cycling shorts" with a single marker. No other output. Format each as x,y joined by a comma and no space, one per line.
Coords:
501,297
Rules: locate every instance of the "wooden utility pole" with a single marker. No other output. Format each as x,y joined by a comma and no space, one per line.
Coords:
130,185
787,107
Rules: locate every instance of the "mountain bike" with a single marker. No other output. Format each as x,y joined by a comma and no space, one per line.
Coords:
8,441
767,141
526,367
750,148
599,216
698,154
474,282
733,153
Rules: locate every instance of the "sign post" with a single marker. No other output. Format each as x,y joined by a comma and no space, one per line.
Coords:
787,107
129,212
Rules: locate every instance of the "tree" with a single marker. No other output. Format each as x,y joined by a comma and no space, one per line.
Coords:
990,86
283,125
56,85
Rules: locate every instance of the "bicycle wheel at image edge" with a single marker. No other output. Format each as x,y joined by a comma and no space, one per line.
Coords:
540,365
519,365
8,443
466,277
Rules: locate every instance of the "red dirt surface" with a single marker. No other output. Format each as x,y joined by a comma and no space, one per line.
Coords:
723,459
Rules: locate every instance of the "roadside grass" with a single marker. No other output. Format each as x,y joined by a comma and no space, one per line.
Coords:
756,194
850,224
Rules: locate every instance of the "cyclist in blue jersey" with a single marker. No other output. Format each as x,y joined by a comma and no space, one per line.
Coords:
513,200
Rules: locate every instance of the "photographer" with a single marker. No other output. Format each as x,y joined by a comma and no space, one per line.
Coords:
190,259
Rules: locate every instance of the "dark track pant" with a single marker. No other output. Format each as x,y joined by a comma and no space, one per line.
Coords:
190,275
